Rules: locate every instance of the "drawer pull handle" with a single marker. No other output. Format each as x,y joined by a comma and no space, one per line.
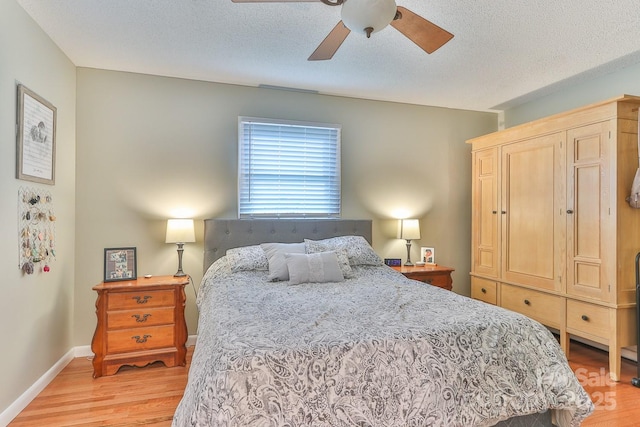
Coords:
140,340
142,300
585,317
527,302
484,291
140,319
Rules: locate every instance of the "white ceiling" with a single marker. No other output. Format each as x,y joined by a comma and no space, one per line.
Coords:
504,51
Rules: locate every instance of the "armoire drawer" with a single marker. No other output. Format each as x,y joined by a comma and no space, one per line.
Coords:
589,319
545,308
484,290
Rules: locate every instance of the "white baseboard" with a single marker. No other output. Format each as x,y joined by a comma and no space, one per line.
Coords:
21,402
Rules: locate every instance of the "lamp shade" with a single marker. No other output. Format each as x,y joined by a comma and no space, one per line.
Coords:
180,231
409,229
358,15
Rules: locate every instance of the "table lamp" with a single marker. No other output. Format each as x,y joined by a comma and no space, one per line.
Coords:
180,231
408,229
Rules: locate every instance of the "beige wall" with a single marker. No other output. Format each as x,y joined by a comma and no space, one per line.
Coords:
624,81
36,311
150,148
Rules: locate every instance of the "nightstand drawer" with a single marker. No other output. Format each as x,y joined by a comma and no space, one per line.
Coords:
140,318
588,319
484,290
136,300
545,308
140,339
440,280
434,275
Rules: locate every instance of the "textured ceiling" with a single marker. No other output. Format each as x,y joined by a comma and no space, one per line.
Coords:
504,51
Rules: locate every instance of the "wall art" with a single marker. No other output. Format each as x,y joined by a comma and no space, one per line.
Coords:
36,229
36,144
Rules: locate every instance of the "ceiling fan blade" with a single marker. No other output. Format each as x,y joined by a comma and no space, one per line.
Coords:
427,35
331,43
272,1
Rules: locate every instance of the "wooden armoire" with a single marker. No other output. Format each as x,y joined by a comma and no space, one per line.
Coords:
552,235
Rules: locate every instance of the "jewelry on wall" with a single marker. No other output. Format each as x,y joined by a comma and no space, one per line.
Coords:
36,230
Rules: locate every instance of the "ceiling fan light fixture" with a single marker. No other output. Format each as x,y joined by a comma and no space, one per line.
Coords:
368,16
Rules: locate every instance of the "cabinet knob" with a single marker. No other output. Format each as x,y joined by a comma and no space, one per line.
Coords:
484,291
569,211
527,302
585,317
494,212
504,212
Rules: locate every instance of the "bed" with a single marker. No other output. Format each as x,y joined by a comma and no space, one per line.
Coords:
371,349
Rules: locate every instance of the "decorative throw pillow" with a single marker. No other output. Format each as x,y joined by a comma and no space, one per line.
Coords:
275,255
358,249
247,258
312,247
319,267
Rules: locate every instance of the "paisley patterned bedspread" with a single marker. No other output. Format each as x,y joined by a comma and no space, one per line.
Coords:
375,350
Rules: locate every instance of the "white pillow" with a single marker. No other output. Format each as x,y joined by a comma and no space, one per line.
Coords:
319,267
358,249
247,258
275,255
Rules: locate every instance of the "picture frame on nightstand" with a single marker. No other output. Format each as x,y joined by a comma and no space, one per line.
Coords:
120,264
428,255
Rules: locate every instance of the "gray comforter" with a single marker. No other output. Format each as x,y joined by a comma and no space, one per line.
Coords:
374,350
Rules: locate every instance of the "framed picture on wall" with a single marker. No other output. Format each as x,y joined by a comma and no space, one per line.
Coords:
428,255
36,144
119,264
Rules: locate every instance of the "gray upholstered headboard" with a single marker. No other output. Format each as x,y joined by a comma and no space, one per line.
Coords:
223,234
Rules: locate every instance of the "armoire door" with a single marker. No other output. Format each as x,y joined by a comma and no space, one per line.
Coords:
532,212
590,255
485,218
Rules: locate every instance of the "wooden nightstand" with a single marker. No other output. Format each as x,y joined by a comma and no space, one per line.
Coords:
435,275
139,322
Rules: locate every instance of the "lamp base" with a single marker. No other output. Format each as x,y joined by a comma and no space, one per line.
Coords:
180,273
408,263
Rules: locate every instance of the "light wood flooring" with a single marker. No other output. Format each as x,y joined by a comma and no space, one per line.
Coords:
148,396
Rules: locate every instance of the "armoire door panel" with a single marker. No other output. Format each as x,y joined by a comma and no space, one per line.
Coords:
487,218
587,212
532,222
587,275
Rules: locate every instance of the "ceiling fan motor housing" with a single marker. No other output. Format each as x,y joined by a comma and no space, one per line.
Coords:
368,16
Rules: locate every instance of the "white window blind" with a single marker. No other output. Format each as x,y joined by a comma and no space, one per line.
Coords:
288,169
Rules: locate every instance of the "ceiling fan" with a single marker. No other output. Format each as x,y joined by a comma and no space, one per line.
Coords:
370,16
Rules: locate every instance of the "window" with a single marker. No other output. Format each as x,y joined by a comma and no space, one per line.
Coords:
288,169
